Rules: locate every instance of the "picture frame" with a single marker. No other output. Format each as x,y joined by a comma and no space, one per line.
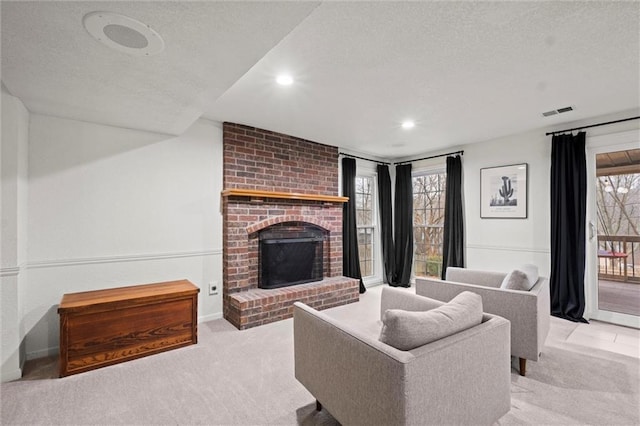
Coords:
503,192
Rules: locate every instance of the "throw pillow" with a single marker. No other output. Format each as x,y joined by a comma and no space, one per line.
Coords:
516,280
523,278
406,330
532,273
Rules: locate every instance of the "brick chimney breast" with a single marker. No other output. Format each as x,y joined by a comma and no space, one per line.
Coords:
257,159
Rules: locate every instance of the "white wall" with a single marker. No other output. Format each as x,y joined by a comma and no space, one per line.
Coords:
103,206
499,244
114,207
13,233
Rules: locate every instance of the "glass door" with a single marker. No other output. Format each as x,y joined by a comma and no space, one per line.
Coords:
613,274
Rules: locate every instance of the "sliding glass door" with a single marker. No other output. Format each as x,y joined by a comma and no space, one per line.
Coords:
613,263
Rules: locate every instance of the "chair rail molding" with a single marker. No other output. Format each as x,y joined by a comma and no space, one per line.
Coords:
10,271
54,263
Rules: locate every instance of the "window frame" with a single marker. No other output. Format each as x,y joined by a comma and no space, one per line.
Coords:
368,169
372,225
434,168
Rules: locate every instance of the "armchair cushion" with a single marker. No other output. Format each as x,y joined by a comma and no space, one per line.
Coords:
522,278
406,330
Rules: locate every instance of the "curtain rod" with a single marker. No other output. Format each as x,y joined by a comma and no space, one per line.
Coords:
365,159
429,158
592,125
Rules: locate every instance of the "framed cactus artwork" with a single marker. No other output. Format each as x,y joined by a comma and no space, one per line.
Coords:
503,192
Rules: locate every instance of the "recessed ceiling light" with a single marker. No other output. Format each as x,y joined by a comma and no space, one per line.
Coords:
123,34
408,124
284,80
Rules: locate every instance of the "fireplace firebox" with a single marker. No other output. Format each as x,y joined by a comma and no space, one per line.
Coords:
290,255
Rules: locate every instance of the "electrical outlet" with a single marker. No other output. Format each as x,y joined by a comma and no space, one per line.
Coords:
213,288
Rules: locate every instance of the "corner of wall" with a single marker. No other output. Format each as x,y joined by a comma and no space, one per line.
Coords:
170,228
9,376
13,211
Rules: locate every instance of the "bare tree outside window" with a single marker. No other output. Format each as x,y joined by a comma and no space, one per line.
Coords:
365,224
428,223
618,203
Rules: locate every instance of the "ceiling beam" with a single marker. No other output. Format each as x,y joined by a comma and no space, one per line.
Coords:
618,170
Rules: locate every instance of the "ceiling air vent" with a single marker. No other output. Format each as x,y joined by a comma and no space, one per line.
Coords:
565,109
557,111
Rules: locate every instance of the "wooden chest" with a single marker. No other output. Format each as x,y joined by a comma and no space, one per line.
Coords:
105,327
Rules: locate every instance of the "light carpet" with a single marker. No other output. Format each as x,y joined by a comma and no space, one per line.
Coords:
246,377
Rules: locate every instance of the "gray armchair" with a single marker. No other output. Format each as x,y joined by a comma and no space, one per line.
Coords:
528,311
460,379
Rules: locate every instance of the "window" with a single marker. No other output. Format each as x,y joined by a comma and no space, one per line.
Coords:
618,212
428,222
365,220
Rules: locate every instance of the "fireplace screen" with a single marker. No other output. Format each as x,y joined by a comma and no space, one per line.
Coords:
289,257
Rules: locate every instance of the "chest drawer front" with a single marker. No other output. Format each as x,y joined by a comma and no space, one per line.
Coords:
114,333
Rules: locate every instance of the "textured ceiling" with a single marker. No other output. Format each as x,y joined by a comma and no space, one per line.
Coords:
464,71
55,67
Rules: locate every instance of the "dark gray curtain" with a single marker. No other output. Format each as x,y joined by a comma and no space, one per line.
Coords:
453,233
386,222
568,222
403,226
350,256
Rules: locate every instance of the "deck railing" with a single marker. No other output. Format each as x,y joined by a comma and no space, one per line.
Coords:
619,258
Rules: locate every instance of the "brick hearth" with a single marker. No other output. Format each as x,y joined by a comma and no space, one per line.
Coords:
258,306
256,159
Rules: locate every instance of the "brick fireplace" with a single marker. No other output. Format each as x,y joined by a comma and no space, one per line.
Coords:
276,180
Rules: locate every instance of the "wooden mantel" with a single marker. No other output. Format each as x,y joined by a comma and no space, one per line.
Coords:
255,193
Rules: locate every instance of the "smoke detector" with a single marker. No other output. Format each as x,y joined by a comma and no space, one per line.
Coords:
123,34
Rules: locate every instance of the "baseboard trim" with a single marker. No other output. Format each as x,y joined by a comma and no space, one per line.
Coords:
43,353
55,263
8,376
210,317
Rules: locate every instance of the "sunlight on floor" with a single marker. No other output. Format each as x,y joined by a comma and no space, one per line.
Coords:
609,337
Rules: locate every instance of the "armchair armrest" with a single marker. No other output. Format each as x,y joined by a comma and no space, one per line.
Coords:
393,298
337,365
473,364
